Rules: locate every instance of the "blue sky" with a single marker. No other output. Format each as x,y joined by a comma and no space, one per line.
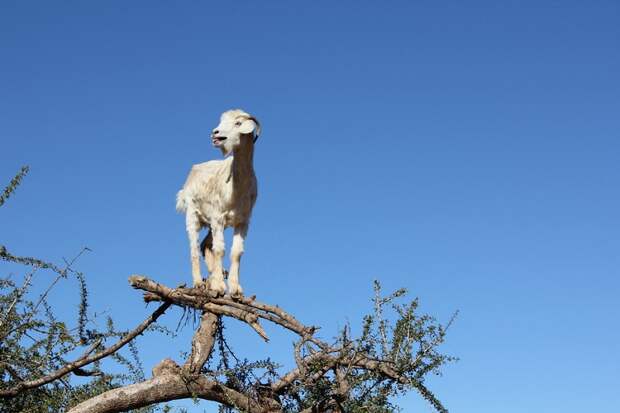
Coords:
469,152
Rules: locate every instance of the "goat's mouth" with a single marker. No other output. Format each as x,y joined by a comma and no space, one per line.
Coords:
218,140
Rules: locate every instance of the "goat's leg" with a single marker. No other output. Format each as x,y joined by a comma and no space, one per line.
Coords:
206,246
236,251
216,279
193,227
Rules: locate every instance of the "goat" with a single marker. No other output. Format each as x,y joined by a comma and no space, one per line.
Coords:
219,194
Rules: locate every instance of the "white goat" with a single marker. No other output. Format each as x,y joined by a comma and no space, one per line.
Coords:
220,194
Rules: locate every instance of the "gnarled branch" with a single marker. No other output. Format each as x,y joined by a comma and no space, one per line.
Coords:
243,309
171,386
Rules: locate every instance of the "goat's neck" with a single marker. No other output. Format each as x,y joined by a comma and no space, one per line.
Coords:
242,165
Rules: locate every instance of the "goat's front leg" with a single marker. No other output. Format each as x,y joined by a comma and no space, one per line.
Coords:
236,252
216,279
192,226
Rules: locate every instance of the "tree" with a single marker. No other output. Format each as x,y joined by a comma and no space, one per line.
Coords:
394,354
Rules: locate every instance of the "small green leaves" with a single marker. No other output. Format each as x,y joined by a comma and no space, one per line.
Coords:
15,182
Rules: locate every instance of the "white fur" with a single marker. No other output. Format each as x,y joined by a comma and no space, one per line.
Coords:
220,194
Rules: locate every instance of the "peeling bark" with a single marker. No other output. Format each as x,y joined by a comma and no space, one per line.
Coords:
167,387
202,343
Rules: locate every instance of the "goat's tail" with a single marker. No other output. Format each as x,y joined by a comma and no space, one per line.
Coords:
181,202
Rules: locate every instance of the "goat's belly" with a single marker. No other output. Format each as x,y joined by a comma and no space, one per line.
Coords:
229,219
233,218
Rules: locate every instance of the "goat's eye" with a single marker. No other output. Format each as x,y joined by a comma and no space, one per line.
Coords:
237,123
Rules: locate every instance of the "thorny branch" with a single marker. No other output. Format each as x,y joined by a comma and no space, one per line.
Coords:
328,377
86,358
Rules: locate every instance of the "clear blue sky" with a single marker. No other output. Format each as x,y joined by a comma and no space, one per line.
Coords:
468,151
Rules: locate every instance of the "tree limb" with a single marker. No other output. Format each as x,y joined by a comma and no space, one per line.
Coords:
171,386
202,343
244,309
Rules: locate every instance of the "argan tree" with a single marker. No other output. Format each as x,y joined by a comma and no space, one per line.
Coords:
395,352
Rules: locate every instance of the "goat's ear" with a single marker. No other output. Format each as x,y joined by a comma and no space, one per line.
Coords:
248,126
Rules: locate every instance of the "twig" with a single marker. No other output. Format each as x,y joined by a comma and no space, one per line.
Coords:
19,295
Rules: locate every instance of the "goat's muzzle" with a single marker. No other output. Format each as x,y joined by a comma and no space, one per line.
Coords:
218,140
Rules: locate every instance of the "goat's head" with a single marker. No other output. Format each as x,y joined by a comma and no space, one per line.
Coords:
236,129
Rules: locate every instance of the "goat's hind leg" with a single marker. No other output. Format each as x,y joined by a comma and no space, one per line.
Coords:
193,227
206,246
216,279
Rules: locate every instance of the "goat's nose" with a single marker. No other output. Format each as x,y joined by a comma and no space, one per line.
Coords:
215,132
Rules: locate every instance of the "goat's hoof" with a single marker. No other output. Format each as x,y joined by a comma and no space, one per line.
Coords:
216,293
200,284
216,288
235,293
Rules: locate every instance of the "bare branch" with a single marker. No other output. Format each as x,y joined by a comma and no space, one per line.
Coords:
202,343
247,310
